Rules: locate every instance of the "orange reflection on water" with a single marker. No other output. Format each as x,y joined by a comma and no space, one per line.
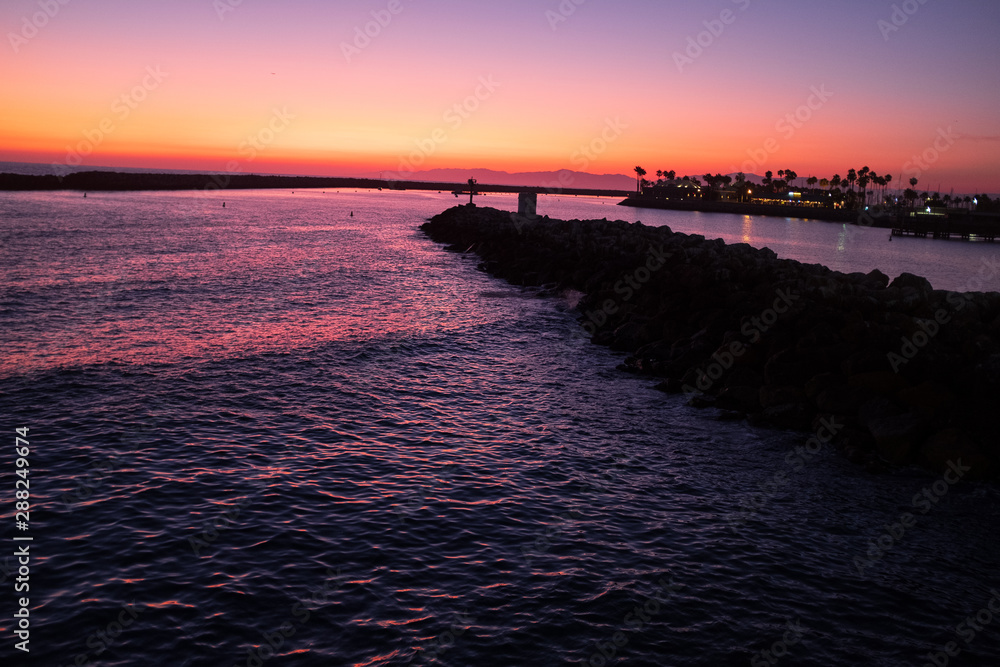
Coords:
168,603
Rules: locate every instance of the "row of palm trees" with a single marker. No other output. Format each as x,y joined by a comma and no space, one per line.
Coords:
861,187
869,184
977,202
865,177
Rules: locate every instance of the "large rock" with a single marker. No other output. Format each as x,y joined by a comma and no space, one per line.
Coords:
743,398
883,383
928,397
820,383
876,279
841,399
866,360
909,280
783,370
897,437
877,408
771,396
793,416
629,336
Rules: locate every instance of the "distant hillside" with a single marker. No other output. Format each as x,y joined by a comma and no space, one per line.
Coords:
542,179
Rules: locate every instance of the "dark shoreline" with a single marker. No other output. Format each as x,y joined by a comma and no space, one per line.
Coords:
740,208
956,223
113,181
909,374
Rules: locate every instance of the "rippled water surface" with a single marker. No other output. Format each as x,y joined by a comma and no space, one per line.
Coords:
279,434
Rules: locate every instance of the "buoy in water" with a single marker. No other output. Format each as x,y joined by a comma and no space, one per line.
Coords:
223,204
352,214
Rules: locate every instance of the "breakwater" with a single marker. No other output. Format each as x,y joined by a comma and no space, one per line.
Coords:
907,374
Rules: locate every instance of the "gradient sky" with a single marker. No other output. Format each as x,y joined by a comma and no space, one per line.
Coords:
606,77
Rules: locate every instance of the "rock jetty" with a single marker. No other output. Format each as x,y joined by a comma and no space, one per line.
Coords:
894,371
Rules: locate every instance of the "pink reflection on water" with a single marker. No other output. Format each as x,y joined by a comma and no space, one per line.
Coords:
162,278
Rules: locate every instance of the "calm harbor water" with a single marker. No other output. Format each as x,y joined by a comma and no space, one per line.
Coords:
273,433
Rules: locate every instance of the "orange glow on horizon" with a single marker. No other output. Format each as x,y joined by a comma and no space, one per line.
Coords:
191,90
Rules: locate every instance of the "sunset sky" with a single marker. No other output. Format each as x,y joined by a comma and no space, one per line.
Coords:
290,87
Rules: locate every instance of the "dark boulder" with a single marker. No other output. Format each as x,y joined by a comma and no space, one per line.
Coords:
905,280
896,437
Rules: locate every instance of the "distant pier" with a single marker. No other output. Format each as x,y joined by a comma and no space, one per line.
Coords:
941,227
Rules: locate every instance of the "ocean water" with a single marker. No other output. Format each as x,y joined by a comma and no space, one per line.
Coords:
274,433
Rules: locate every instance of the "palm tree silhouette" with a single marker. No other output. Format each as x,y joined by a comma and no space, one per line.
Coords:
639,173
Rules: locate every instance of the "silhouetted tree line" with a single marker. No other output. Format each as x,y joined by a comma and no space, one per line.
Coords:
859,188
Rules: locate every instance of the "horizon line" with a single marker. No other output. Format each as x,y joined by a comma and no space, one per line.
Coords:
66,170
